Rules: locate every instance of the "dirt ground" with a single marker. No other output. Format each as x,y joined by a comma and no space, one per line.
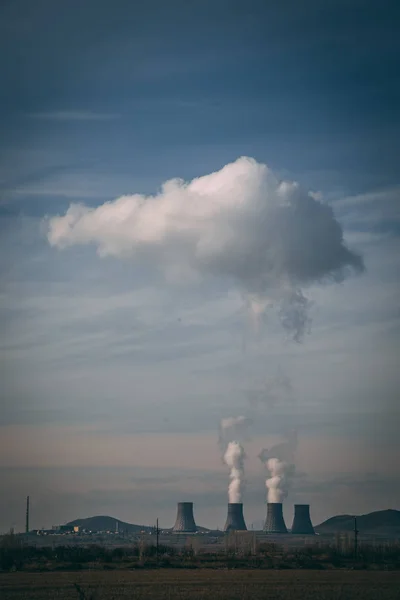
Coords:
202,584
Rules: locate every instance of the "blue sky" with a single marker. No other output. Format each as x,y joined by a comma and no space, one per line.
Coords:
101,99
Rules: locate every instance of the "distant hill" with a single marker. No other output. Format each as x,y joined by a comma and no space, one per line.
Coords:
383,522
102,523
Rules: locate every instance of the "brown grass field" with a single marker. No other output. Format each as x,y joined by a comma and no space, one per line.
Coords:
202,584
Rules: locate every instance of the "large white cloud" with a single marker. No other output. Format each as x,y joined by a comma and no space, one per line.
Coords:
241,223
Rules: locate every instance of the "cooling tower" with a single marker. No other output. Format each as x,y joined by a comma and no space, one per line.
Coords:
235,519
302,521
275,522
184,518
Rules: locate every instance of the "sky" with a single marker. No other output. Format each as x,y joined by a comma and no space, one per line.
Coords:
125,339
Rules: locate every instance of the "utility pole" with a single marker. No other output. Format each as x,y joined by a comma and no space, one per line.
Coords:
157,538
355,538
27,515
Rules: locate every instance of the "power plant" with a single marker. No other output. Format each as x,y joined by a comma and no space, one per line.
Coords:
185,522
275,522
302,521
235,519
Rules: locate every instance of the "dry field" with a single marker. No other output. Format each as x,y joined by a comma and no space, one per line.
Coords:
202,584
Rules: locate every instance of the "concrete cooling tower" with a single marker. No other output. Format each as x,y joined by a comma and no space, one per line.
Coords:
184,519
235,519
302,521
275,522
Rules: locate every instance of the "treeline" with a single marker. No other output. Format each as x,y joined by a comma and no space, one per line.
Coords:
15,555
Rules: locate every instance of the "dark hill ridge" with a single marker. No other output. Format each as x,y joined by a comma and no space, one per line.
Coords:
101,523
379,522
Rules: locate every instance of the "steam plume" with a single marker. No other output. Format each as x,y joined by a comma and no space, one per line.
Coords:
279,461
294,314
234,459
277,483
231,430
270,237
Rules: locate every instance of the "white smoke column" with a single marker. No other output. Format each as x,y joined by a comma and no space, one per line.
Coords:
234,459
277,483
241,224
232,430
279,460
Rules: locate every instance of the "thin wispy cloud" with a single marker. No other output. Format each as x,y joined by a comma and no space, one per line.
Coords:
74,115
391,194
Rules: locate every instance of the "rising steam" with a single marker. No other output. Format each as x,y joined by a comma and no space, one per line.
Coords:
279,460
234,459
270,237
231,430
277,484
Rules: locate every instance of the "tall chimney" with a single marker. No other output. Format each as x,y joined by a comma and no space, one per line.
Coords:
274,522
235,519
184,519
27,515
302,521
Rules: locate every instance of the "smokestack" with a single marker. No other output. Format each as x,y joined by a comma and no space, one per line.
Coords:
235,519
302,521
275,522
184,519
27,515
